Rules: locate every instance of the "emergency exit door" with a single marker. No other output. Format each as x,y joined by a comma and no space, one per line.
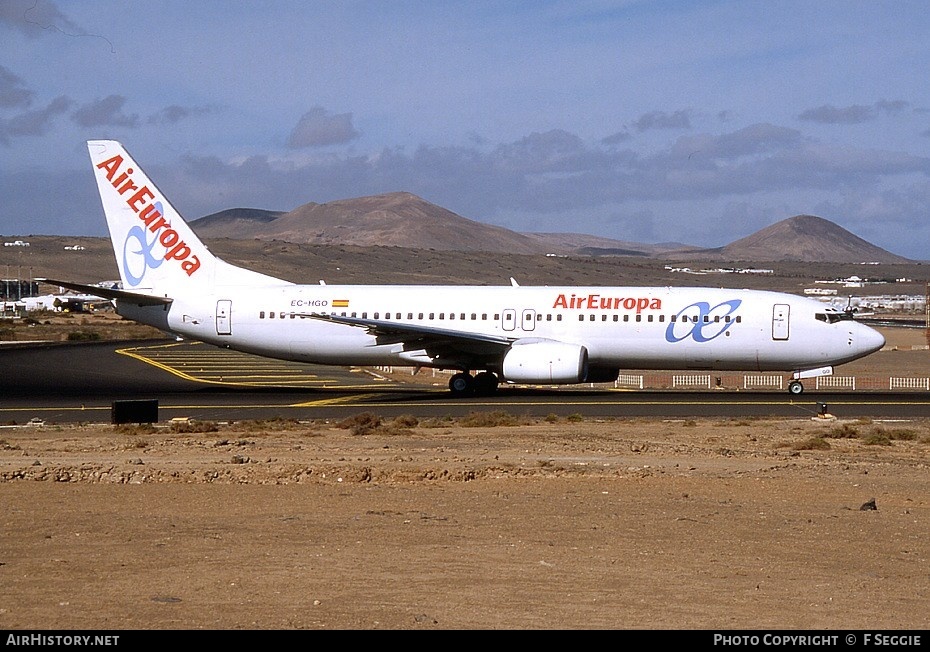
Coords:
224,317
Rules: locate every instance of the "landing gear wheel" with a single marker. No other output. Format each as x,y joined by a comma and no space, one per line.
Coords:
795,387
486,383
461,384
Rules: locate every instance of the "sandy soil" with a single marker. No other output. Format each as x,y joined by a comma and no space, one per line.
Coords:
467,524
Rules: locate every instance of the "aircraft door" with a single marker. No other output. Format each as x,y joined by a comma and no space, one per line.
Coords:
780,314
529,320
509,319
224,317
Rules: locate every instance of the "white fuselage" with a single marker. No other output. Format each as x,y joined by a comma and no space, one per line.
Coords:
621,327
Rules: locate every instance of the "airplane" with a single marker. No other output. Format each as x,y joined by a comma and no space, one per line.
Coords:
537,335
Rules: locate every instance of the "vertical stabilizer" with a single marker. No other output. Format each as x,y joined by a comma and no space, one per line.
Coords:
156,251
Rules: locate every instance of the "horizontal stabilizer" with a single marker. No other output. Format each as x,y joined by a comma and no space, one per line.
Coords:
111,293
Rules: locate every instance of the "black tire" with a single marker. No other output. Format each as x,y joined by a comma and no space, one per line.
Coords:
461,384
486,383
795,387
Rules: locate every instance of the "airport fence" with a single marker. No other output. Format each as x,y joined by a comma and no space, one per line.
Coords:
733,381
836,382
909,383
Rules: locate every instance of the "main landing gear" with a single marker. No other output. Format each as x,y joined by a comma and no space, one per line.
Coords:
795,387
464,384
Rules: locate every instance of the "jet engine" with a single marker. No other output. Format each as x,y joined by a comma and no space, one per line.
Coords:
545,362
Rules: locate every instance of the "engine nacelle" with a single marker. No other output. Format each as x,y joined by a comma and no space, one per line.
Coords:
545,362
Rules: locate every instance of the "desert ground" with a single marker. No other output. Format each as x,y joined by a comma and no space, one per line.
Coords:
485,522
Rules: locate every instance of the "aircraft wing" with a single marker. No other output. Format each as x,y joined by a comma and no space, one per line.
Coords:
438,342
111,293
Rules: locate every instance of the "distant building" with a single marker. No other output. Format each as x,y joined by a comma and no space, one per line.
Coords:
16,289
16,243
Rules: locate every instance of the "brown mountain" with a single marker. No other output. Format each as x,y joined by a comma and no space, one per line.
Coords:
802,238
398,219
401,219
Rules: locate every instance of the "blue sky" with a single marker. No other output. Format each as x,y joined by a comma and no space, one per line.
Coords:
695,122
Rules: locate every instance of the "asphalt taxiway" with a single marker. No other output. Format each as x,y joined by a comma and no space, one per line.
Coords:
66,383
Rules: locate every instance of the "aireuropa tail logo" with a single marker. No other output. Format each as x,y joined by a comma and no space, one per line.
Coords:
701,322
167,240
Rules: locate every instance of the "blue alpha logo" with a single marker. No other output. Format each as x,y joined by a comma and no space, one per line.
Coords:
702,322
137,253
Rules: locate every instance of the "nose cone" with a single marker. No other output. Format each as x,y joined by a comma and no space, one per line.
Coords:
868,340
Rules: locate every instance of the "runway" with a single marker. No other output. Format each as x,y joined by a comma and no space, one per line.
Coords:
68,383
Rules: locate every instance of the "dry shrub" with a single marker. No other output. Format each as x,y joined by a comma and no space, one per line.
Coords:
876,438
364,423
406,421
896,434
135,429
193,426
368,423
844,431
273,424
489,420
812,444
437,422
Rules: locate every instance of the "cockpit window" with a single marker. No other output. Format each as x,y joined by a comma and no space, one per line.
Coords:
833,317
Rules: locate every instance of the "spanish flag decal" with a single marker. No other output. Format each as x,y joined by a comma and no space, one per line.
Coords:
340,303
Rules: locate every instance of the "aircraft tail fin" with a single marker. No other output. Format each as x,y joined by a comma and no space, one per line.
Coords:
156,250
